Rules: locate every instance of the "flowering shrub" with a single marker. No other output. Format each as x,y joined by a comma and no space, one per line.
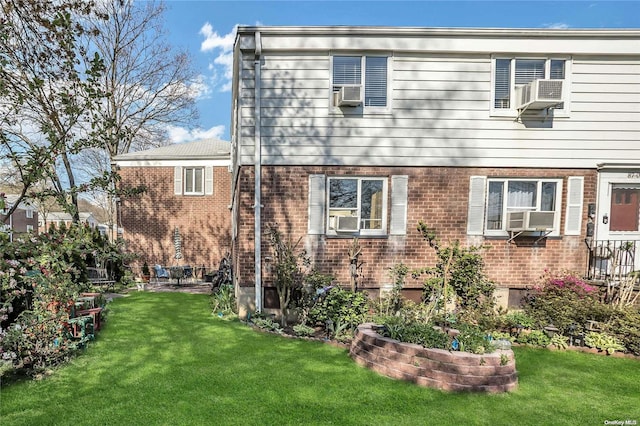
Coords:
39,276
565,301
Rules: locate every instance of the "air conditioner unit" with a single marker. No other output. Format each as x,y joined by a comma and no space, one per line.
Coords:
530,221
346,223
539,94
349,95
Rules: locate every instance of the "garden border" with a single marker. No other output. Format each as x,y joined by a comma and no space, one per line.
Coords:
436,368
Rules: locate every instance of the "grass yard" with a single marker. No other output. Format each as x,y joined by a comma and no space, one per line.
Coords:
163,359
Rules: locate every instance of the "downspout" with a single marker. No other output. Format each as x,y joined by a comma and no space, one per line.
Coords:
257,147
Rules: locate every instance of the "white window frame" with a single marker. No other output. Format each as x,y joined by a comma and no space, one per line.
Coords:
29,228
362,108
192,169
29,213
360,231
512,110
505,181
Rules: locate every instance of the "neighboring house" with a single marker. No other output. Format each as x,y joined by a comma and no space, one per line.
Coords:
63,218
24,219
187,187
523,141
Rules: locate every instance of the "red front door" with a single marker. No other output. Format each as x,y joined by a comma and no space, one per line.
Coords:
625,210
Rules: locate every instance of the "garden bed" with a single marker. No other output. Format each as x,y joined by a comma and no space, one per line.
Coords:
436,368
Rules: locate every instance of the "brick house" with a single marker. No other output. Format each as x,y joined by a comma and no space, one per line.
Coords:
24,219
523,141
188,189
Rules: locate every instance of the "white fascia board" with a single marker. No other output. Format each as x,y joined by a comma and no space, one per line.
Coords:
172,163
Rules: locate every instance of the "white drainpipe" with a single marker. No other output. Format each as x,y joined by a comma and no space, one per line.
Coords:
258,177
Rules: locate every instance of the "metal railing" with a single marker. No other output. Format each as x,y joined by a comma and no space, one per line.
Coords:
612,259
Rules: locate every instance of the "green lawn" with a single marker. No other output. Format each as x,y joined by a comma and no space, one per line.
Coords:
163,359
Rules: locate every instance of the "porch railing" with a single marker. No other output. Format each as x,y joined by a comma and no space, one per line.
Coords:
612,259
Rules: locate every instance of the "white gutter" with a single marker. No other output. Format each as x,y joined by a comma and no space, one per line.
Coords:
257,148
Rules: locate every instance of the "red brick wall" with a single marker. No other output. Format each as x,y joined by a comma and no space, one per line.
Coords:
149,219
437,195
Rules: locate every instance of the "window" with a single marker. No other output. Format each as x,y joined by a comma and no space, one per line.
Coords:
512,72
193,181
505,195
356,70
29,214
357,205
29,228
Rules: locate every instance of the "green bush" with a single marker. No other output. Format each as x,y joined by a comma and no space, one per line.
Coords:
423,334
223,300
534,338
339,310
303,330
624,324
473,339
603,342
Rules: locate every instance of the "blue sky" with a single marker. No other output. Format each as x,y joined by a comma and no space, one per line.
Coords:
207,29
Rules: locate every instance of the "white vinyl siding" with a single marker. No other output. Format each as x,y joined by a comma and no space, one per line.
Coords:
441,101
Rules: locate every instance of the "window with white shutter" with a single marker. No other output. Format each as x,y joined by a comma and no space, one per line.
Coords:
357,205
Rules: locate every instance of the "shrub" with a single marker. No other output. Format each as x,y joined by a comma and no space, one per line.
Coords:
603,342
339,309
266,324
625,326
473,339
414,332
223,301
564,300
459,272
535,338
303,330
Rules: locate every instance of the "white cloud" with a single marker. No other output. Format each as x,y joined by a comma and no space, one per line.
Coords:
222,66
201,89
180,134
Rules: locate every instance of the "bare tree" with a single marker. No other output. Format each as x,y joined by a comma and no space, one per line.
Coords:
149,85
149,82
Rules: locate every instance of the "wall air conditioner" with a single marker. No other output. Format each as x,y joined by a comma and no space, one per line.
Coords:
349,95
539,94
530,221
346,223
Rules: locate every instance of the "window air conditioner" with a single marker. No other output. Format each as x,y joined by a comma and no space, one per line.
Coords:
346,223
539,94
530,221
350,95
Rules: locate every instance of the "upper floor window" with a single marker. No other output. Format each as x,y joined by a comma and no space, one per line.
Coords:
193,180
369,73
510,73
29,214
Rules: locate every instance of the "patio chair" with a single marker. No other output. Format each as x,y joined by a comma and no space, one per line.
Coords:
160,273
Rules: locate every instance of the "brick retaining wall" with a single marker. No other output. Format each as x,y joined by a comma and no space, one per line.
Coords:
435,368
